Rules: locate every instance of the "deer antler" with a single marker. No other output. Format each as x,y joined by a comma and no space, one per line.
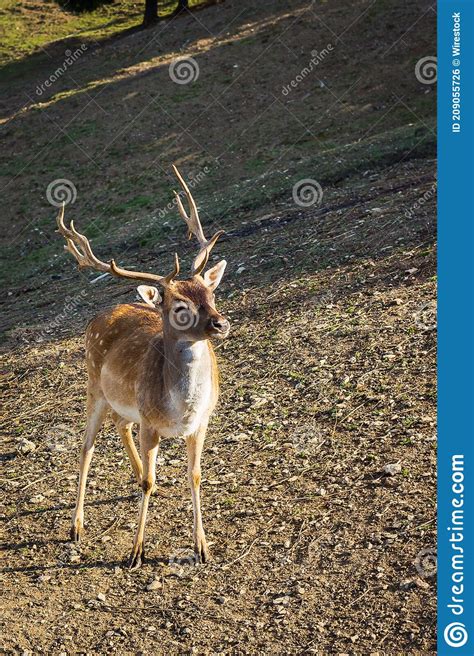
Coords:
194,226
78,245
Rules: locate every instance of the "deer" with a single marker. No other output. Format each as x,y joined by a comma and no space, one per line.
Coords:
152,363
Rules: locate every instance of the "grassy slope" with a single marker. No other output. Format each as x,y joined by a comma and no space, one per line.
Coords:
115,121
29,25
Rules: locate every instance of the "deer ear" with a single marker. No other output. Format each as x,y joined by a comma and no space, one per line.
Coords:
150,295
213,276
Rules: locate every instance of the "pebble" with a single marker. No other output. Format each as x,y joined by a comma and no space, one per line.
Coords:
38,498
154,585
101,596
392,469
25,446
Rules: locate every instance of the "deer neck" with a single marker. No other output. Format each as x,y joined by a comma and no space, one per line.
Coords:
187,371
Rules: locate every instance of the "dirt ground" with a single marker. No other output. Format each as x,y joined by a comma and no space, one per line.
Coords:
319,476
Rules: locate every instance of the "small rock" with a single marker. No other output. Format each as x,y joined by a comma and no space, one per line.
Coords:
237,438
101,596
259,401
154,585
172,570
392,469
38,498
25,446
420,583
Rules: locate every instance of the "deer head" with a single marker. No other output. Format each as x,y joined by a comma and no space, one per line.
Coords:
187,306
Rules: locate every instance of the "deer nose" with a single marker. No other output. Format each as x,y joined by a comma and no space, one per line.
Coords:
220,324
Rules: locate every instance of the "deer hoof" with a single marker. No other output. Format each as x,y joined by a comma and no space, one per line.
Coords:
201,551
137,558
76,532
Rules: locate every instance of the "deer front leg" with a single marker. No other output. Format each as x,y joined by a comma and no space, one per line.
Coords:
149,442
96,411
194,444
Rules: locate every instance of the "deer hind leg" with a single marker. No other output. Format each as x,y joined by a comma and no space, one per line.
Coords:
124,429
149,443
194,445
96,412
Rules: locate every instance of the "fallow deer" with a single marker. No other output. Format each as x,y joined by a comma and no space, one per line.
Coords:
153,364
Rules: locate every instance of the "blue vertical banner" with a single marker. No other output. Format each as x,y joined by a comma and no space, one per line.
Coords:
455,327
